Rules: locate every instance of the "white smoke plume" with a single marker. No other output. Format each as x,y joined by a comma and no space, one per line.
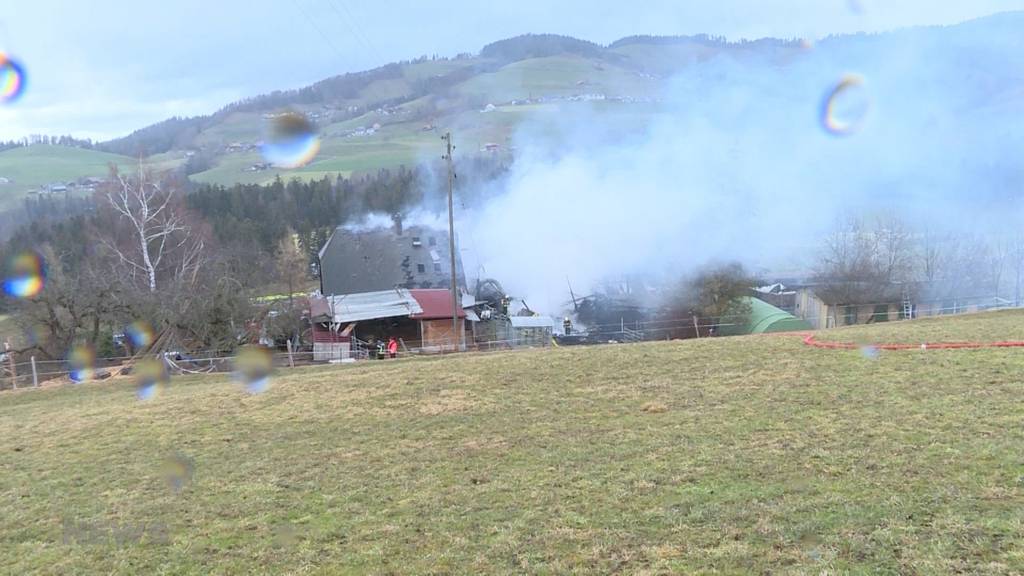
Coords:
736,163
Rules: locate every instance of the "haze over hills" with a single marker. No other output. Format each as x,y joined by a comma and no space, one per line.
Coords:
392,115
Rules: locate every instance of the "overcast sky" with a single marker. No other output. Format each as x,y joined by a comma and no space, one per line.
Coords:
102,68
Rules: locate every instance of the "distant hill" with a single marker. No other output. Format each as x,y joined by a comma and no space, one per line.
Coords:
394,114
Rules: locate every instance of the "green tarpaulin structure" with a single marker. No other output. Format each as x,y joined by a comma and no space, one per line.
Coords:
764,319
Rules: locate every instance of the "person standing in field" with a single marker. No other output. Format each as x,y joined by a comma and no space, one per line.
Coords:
393,347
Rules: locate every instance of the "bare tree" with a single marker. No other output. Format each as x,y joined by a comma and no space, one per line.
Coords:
1017,264
75,305
292,266
931,255
849,271
998,257
156,229
893,241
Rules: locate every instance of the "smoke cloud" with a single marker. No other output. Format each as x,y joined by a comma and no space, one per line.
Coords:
735,162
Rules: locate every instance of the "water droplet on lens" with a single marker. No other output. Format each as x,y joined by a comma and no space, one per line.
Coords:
870,352
12,78
81,363
177,471
254,366
151,378
25,275
140,333
291,142
846,106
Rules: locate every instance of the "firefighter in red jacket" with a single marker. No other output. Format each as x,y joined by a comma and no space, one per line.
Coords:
392,348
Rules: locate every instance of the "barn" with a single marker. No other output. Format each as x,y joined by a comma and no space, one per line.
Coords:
350,326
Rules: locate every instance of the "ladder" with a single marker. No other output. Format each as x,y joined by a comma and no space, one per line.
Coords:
908,306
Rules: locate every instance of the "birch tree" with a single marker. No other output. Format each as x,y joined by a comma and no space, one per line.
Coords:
157,236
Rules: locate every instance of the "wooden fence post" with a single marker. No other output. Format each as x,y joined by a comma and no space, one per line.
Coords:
291,361
35,374
13,367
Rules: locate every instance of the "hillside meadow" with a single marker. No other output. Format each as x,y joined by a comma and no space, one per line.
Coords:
729,455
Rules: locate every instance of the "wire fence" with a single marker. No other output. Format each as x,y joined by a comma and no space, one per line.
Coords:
36,373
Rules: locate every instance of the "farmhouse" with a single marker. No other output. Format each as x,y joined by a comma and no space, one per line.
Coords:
385,282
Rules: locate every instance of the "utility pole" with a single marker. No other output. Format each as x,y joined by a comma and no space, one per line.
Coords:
451,236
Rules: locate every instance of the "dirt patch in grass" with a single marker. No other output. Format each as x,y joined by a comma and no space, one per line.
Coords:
447,401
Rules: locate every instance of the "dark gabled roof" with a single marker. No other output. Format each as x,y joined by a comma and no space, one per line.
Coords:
352,262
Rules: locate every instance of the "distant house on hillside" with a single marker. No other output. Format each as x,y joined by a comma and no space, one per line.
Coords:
353,262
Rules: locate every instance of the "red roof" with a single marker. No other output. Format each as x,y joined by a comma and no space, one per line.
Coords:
435,303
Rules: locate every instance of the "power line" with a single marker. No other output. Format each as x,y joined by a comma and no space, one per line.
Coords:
313,24
353,25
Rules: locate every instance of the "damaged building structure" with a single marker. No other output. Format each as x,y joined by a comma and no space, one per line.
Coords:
395,282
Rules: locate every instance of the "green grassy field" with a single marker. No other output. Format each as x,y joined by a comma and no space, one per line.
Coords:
390,147
32,166
557,76
730,455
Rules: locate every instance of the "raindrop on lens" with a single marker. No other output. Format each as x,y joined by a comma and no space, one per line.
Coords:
845,107
151,378
870,352
253,368
25,275
12,78
140,334
81,363
291,142
177,471
285,535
